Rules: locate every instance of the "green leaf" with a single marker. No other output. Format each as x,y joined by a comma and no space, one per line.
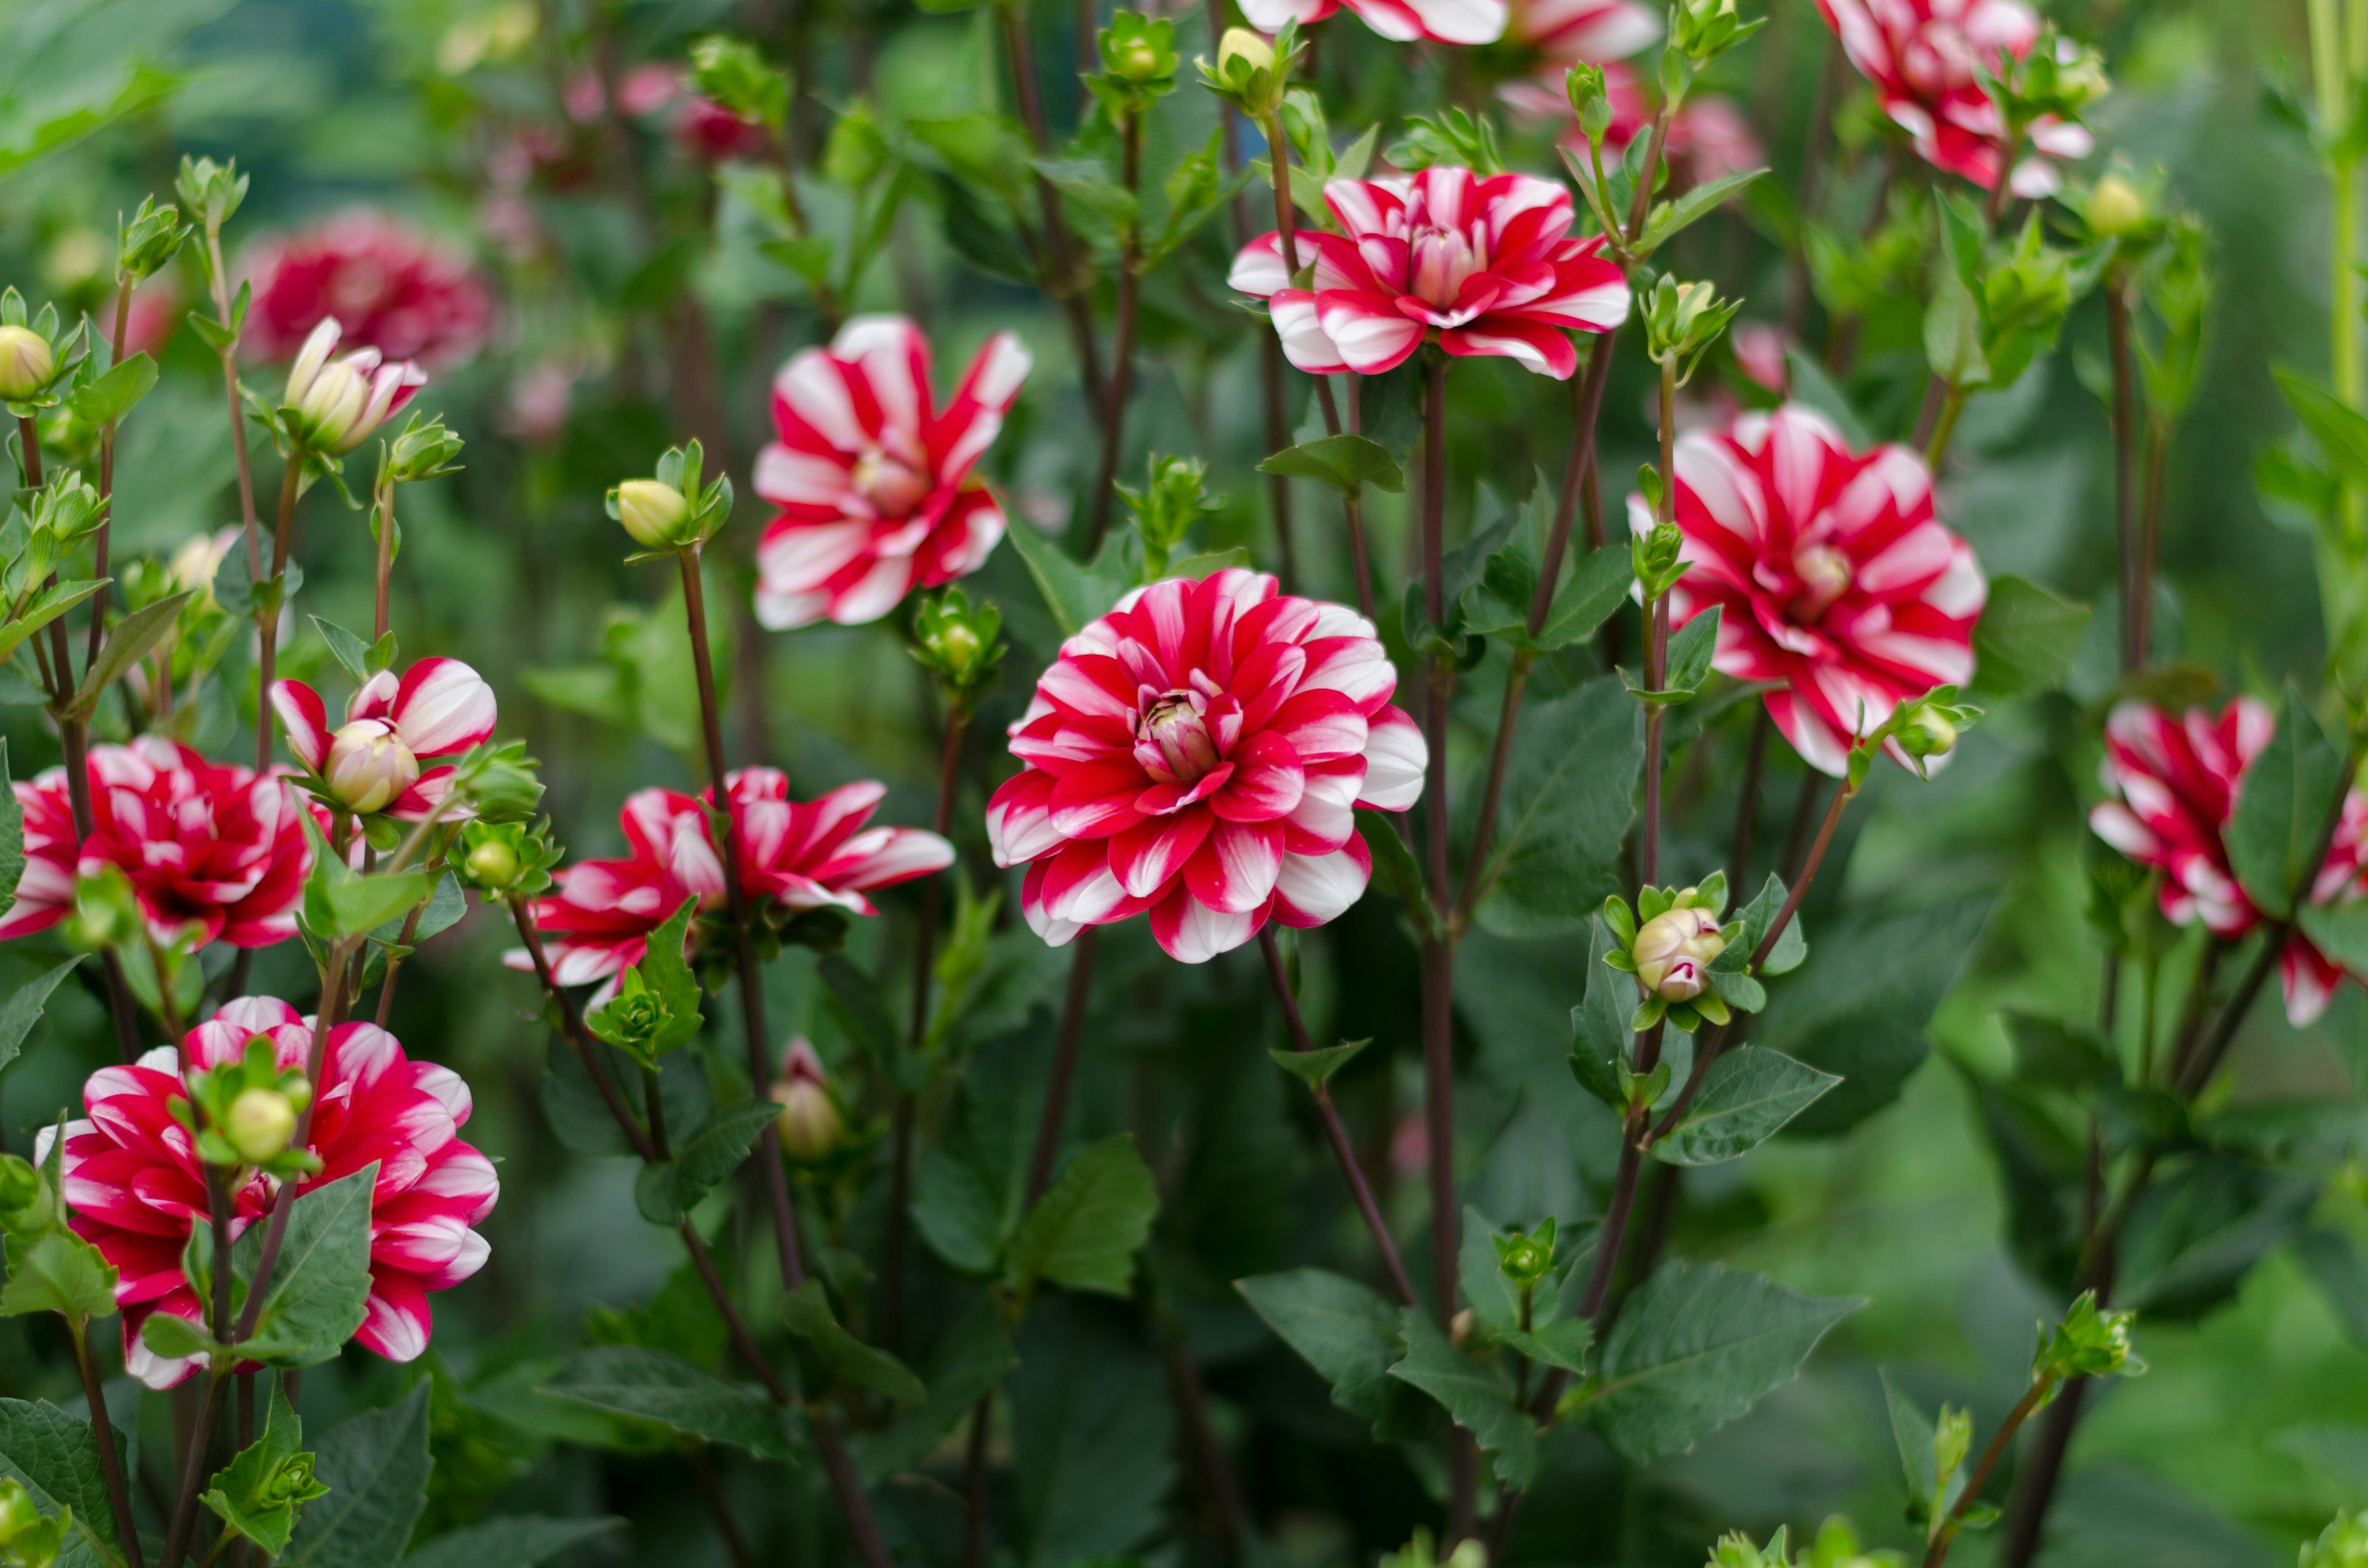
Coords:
968,1191
244,1495
971,1359
1084,1232
2194,1235
349,651
320,1290
105,399
1687,665
1569,795
1495,1300
1669,217
1791,948
1476,1395
55,1456
1351,1337
1315,1068
1095,1438
1747,1095
1344,462
59,1272
12,845
1697,1347
807,1311
1563,1343
358,905
665,1192
1074,593
127,645
2341,431
177,1339
514,1540
44,608
2026,639
375,1466
1587,601
1860,1013
666,972
2281,810
23,1008
2342,1275
1394,862
862,1012
1813,388
1599,1026
655,1386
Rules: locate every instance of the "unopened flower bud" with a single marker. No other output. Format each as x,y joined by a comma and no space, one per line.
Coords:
369,767
26,361
27,1539
653,513
2116,208
1244,50
493,864
259,1124
810,1122
1459,1327
1927,733
19,1183
1673,952
1134,60
1590,100
2342,1544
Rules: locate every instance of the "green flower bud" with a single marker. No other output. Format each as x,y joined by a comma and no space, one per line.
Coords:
810,1125
27,1539
19,1184
857,153
493,864
259,1124
2342,1544
1590,101
27,362
654,513
1927,733
1241,51
2116,208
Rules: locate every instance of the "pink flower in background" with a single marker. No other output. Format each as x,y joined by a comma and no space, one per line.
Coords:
1486,264
2175,779
1708,139
797,854
1400,21
393,288
132,1179
1923,57
204,844
1568,31
1835,578
707,130
1198,753
872,478
1759,351
439,707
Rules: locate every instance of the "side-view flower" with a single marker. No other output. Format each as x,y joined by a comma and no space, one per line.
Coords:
437,708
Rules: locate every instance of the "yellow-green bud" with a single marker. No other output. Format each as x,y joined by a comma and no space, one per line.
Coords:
369,767
259,1124
1242,44
2116,208
26,361
1928,734
653,513
1673,953
810,1122
494,864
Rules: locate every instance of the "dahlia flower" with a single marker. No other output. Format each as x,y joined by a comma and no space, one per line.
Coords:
873,480
1400,21
713,133
339,403
1836,579
205,845
1486,264
1568,31
2174,780
395,291
1923,57
1197,752
132,1179
795,854
439,707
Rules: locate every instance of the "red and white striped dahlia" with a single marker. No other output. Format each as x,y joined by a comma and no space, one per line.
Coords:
1400,21
1923,57
873,479
2175,779
1486,264
132,1179
205,845
439,707
796,854
1568,31
395,290
1198,753
1836,579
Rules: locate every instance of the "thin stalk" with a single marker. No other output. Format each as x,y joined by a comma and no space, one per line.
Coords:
393,964
1747,805
102,1428
1657,635
653,1106
1130,289
1342,1150
384,500
1063,281
2037,1475
1064,1065
1278,158
218,1322
2117,335
1938,1552
694,1454
267,625
2150,529
1352,509
218,277
1438,953
975,1483
107,477
853,1503
1943,426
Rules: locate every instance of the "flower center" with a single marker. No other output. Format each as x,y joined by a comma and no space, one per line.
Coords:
893,486
1442,259
1173,741
1825,575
